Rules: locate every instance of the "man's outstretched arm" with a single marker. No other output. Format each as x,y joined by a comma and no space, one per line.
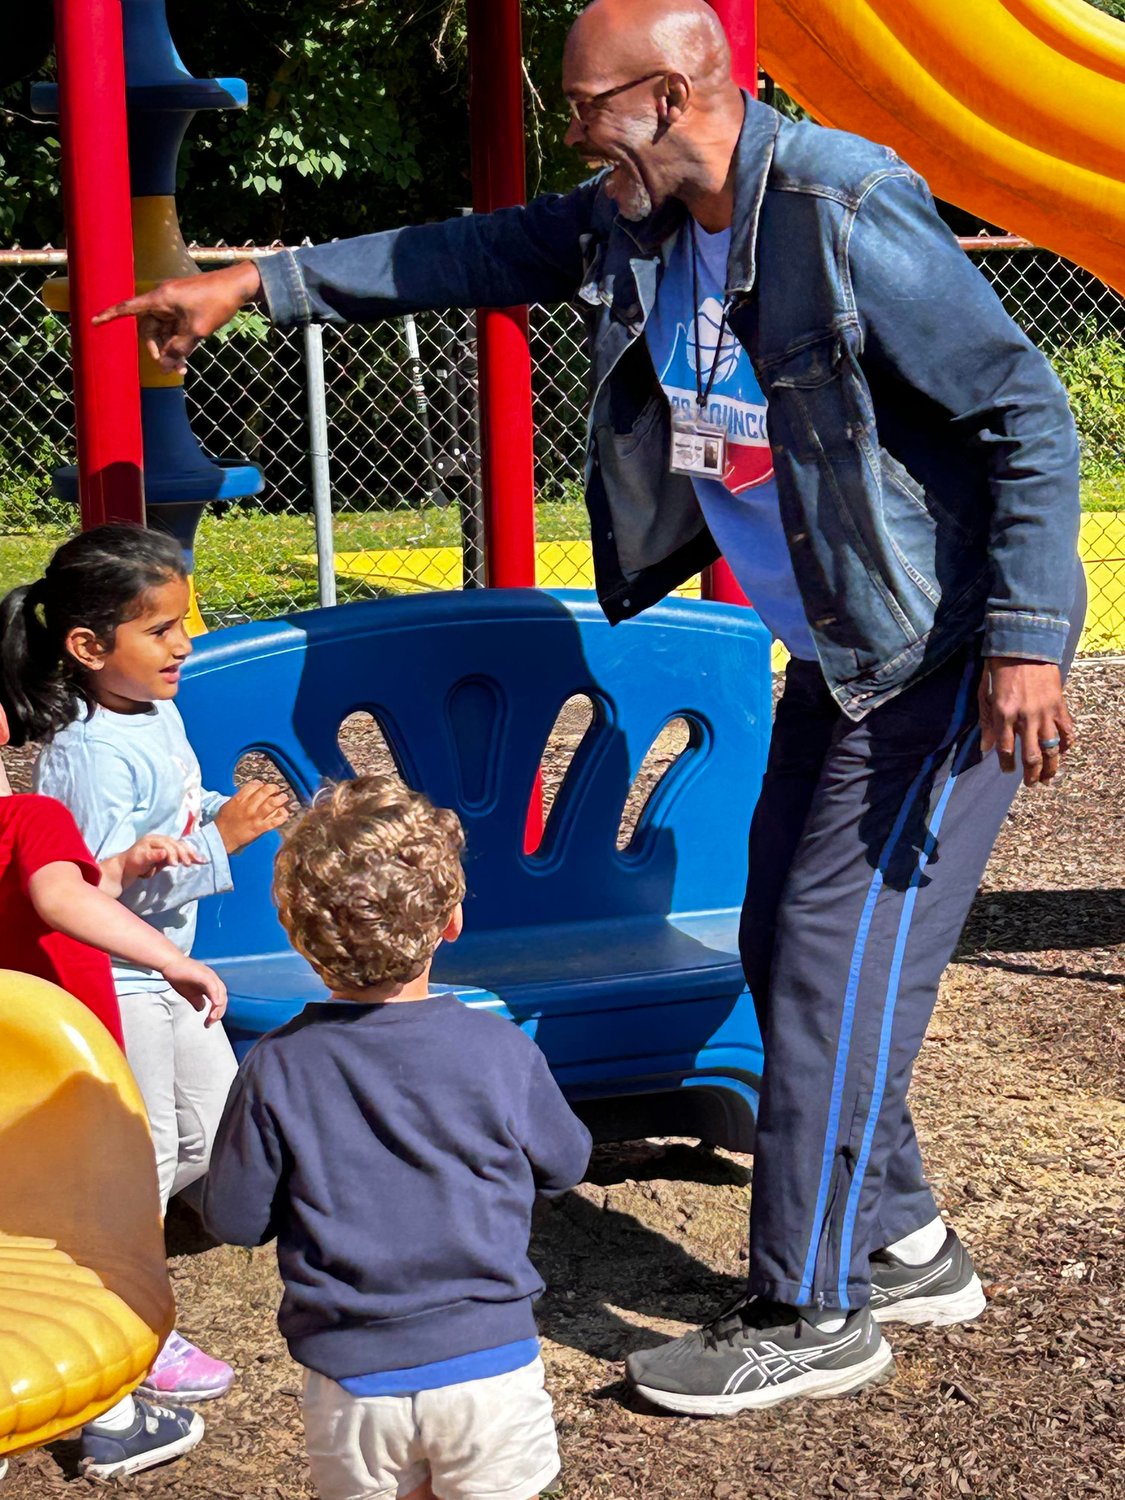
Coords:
503,259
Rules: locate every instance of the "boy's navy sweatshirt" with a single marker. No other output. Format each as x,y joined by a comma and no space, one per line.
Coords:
395,1151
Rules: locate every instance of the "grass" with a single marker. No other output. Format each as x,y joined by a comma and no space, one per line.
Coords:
271,559
1107,492
261,564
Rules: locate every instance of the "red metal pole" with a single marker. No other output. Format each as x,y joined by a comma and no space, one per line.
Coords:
496,128
740,19
99,242
496,124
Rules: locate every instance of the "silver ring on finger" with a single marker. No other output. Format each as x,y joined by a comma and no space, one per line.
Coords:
1051,746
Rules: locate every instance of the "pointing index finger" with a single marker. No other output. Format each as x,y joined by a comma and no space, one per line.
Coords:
132,307
118,310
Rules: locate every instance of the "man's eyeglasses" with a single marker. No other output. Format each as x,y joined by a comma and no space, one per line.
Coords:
583,109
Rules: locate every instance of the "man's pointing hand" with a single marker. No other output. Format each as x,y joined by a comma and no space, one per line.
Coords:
177,315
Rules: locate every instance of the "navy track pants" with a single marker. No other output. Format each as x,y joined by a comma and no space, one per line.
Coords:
867,847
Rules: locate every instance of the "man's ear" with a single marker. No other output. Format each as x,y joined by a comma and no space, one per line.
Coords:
455,926
84,647
676,98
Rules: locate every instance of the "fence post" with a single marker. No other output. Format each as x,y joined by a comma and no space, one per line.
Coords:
436,495
318,465
459,465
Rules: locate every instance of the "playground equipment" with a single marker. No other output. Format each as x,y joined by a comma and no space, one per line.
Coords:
623,964
85,1301
162,99
1013,109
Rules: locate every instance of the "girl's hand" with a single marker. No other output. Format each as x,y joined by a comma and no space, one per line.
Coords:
200,986
253,810
144,858
153,852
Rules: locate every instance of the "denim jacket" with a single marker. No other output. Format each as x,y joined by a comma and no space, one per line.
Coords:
926,458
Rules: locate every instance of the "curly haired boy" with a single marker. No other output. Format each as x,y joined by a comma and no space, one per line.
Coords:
393,1140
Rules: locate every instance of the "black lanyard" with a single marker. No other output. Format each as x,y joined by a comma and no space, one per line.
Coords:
703,392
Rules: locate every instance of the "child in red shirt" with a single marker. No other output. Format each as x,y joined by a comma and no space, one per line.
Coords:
35,833
59,918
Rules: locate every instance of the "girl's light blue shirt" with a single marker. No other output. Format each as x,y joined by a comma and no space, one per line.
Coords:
127,775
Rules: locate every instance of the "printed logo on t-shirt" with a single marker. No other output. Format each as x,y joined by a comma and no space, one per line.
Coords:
736,401
191,809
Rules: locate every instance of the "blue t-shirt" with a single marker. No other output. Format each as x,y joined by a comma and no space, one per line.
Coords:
125,775
481,1364
742,511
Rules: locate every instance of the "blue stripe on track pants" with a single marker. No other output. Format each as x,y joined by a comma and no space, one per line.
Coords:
866,850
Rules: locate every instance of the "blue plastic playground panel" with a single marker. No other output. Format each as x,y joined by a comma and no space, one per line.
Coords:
623,964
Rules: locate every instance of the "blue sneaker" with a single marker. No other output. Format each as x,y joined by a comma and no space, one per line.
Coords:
158,1433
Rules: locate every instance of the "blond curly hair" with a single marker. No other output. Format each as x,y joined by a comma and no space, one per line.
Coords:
366,881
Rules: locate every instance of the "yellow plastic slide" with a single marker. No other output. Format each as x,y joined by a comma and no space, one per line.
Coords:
85,1301
1012,109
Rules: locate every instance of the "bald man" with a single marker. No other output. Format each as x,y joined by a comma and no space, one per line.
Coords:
906,524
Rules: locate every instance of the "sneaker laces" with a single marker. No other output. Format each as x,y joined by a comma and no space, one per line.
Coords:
749,1312
150,1410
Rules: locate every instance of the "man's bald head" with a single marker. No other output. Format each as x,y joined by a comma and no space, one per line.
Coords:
614,39
650,86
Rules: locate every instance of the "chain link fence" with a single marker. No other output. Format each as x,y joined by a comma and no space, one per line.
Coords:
402,437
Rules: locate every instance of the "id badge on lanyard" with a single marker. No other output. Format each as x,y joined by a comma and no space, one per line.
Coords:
699,447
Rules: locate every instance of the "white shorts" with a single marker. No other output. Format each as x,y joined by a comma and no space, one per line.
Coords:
489,1439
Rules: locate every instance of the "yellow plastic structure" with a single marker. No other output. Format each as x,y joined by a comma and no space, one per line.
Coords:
569,565
159,254
1013,109
85,1301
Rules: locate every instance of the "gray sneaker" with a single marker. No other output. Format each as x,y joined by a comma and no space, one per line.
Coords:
755,1355
944,1290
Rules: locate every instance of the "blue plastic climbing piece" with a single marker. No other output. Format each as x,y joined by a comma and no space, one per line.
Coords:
622,963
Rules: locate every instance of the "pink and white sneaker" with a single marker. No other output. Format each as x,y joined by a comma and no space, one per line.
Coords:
184,1372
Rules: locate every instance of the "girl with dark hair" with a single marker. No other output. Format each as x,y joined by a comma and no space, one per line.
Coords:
90,659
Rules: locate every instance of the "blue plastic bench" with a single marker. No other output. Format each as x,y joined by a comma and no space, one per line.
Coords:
622,964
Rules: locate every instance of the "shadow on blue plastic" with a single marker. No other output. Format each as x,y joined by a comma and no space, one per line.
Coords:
622,964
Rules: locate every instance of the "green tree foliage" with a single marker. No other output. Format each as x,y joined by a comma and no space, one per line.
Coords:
30,200
357,119
1093,370
354,120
